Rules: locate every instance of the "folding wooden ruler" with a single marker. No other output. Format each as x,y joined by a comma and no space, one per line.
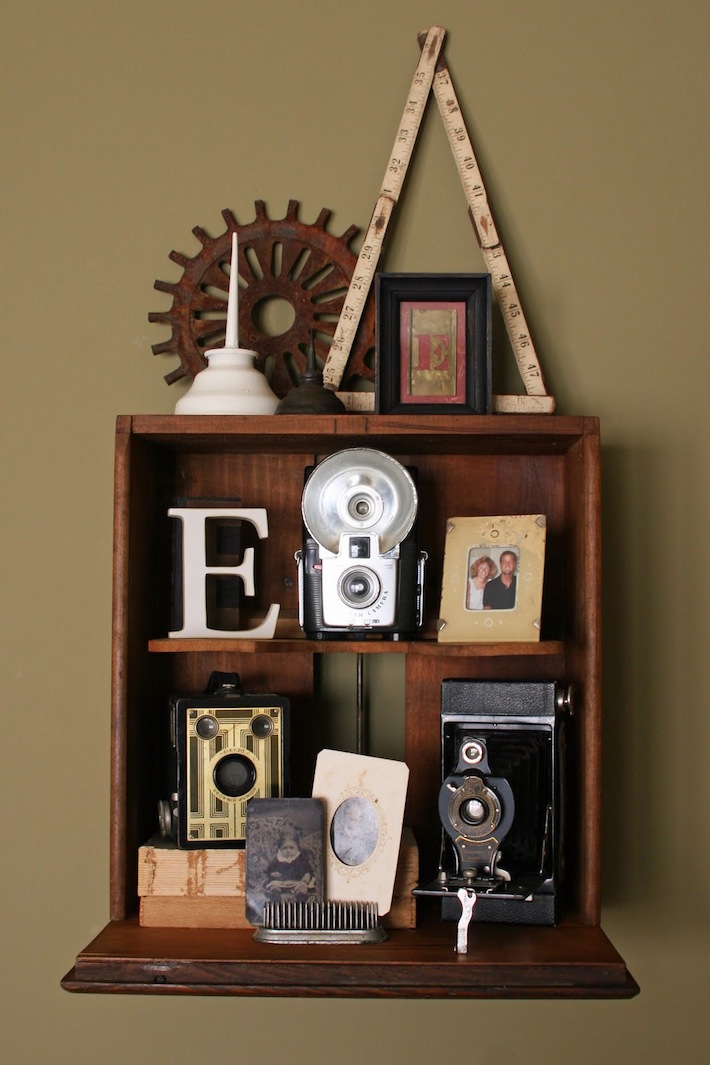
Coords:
433,72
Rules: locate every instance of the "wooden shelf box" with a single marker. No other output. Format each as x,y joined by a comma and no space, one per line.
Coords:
480,465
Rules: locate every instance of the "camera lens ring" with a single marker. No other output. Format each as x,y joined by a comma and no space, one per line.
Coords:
474,790
359,587
234,775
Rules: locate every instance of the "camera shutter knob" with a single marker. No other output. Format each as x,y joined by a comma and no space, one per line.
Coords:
565,699
166,817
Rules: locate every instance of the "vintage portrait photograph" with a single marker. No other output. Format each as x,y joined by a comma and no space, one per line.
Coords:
284,853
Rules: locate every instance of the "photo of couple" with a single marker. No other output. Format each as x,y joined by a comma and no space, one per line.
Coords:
492,579
491,586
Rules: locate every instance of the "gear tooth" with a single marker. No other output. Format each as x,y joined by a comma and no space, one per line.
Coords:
260,208
159,317
165,286
292,211
175,375
166,347
322,219
229,219
351,232
179,258
203,237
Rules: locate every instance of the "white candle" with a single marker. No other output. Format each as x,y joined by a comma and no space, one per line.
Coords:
232,338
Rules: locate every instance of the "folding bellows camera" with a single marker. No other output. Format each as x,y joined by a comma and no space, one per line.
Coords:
360,570
227,748
501,799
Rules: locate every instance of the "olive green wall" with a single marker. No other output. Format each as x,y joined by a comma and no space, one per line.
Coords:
125,125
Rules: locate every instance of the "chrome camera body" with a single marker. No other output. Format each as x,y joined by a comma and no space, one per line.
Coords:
361,572
359,585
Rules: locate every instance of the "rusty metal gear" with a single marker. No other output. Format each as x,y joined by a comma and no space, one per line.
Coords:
279,260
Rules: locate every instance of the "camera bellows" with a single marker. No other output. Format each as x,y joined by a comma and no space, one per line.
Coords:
320,922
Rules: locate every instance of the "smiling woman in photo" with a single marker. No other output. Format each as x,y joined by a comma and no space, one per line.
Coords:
481,571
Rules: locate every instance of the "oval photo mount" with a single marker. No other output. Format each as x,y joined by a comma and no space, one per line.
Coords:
355,830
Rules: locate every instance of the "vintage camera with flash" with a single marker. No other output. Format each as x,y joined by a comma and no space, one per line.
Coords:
360,570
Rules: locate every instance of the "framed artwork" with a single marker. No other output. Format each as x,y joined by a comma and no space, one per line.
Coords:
433,343
492,581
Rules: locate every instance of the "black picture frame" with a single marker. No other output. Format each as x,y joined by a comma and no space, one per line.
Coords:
428,319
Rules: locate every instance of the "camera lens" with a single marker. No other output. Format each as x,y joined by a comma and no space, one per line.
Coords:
234,775
207,727
474,811
262,726
359,588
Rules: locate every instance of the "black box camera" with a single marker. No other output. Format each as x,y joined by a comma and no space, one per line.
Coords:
501,802
227,748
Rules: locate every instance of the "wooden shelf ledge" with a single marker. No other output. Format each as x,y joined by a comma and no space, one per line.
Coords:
504,961
300,645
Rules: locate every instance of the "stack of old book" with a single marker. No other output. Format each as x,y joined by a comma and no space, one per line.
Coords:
206,888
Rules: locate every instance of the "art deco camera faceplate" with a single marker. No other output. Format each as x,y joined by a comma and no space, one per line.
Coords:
227,749
360,569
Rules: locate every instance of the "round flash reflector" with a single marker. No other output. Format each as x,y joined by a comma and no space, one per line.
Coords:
359,490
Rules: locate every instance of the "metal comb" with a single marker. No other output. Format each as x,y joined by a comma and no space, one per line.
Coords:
320,922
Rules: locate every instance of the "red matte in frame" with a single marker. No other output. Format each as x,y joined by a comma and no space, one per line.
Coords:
456,345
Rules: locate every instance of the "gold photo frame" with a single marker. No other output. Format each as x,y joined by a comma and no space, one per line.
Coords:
492,581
